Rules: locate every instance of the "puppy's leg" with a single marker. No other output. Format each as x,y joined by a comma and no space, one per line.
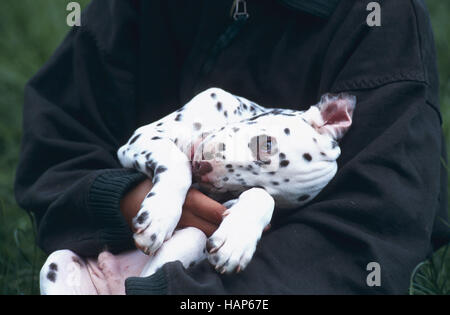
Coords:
186,245
65,273
232,246
170,170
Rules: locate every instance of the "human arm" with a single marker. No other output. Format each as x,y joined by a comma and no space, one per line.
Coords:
79,108
199,210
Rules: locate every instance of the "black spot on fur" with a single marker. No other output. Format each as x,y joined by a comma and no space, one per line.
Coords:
255,173
155,179
53,267
284,163
176,141
249,167
148,156
259,163
222,147
276,111
272,173
77,260
160,124
160,169
142,217
197,126
150,166
150,194
315,140
219,106
133,140
303,198
286,180
178,118
287,131
275,183
334,144
282,156
229,166
235,129
225,113
153,237
230,170
156,138
244,106
225,179
51,276
238,175
322,154
213,95
307,157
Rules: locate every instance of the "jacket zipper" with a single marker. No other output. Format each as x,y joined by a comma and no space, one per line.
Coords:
240,16
239,10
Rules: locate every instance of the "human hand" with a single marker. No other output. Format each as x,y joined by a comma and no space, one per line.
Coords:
199,210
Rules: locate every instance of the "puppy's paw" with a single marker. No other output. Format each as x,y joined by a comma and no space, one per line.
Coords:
154,224
232,246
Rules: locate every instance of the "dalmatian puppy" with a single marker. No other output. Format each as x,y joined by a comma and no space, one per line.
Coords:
228,145
250,158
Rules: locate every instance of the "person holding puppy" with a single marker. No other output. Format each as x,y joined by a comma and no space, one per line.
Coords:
132,62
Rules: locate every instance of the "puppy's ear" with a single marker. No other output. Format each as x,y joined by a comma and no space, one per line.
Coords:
332,115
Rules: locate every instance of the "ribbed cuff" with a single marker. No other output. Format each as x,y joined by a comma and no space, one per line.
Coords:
105,195
156,284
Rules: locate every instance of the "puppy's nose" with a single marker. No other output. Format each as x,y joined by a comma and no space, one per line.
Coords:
202,168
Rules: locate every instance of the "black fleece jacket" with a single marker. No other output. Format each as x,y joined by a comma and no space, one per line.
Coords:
132,62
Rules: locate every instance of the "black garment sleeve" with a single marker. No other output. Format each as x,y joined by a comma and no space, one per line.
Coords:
387,197
78,109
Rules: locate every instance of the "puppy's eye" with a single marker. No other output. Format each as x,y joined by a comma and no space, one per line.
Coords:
268,147
263,146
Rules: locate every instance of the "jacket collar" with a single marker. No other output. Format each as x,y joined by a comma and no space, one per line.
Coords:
321,8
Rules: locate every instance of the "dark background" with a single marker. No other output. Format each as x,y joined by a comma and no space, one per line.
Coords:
30,30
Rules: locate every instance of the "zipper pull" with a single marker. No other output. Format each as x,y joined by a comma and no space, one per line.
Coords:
240,10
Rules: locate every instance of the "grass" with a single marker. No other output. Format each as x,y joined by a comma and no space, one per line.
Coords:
30,30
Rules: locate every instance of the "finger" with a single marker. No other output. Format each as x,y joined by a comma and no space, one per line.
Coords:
189,219
203,206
